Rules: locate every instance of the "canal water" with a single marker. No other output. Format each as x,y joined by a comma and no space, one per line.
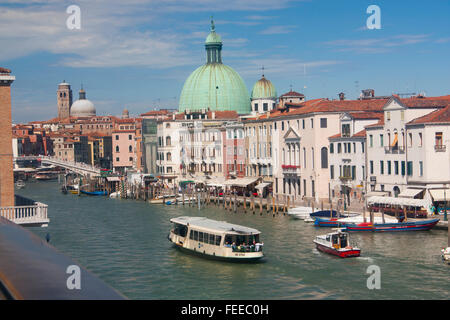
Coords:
124,242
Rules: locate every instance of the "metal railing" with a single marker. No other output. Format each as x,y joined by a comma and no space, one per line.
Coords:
440,148
394,150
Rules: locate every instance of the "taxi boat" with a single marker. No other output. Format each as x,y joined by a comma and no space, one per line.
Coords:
216,239
337,243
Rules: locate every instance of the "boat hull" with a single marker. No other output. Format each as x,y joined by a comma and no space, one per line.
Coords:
94,193
217,257
339,253
393,227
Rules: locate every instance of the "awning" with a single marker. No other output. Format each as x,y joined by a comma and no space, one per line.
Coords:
216,182
394,143
377,193
112,179
263,185
399,201
410,193
440,194
241,182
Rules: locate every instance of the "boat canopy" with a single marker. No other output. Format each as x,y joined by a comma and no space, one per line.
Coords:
440,194
213,225
410,193
112,179
398,201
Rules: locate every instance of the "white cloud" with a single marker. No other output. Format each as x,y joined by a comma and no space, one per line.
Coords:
376,45
277,30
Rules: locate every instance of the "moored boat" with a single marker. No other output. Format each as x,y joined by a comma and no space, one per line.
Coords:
341,222
94,193
216,239
395,227
337,243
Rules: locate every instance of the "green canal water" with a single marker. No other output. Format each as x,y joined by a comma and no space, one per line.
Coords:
124,242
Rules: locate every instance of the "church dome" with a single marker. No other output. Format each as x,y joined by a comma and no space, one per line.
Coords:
82,107
264,89
214,86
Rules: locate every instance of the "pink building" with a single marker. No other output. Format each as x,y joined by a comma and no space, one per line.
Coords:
124,145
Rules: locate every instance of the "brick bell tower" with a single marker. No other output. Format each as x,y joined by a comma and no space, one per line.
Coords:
6,155
64,98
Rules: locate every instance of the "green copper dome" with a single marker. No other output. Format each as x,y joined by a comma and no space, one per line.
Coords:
214,86
264,89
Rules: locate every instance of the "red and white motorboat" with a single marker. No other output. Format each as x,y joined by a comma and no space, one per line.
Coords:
337,243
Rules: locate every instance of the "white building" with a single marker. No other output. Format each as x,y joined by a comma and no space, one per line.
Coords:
391,165
348,155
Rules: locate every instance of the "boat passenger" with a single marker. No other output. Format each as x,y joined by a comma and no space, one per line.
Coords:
258,246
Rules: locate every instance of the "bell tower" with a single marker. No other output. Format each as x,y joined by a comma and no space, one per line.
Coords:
6,154
64,98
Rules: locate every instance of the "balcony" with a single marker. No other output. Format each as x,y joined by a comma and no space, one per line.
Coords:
394,150
290,169
26,212
440,148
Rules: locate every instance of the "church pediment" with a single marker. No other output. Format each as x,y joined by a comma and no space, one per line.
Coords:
291,135
393,104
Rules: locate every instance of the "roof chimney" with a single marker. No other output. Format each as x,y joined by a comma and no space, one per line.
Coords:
341,96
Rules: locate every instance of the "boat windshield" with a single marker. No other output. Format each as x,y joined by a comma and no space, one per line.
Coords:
243,243
180,230
343,240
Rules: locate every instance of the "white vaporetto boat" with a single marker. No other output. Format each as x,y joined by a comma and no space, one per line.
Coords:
216,239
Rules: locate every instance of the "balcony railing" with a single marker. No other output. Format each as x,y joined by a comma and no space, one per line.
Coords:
290,169
394,150
440,148
26,212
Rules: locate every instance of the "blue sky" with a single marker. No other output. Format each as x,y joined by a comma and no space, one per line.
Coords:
136,54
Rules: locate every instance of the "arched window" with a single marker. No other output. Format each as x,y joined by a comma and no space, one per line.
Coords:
130,148
324,157
169,156
168,141
117,148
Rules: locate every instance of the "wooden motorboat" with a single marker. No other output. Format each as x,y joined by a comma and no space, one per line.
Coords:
394,227
337,243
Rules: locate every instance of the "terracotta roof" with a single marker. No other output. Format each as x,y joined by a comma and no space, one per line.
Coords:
156,113
4,70
366,115
292,94
361,133
437,116
425,102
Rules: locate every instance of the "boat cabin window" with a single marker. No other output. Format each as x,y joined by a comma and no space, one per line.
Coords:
180,230
205,237
241,239
343,239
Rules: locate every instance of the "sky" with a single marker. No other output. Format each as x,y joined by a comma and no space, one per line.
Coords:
136,54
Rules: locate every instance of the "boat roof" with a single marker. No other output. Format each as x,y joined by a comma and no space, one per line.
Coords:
218,226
